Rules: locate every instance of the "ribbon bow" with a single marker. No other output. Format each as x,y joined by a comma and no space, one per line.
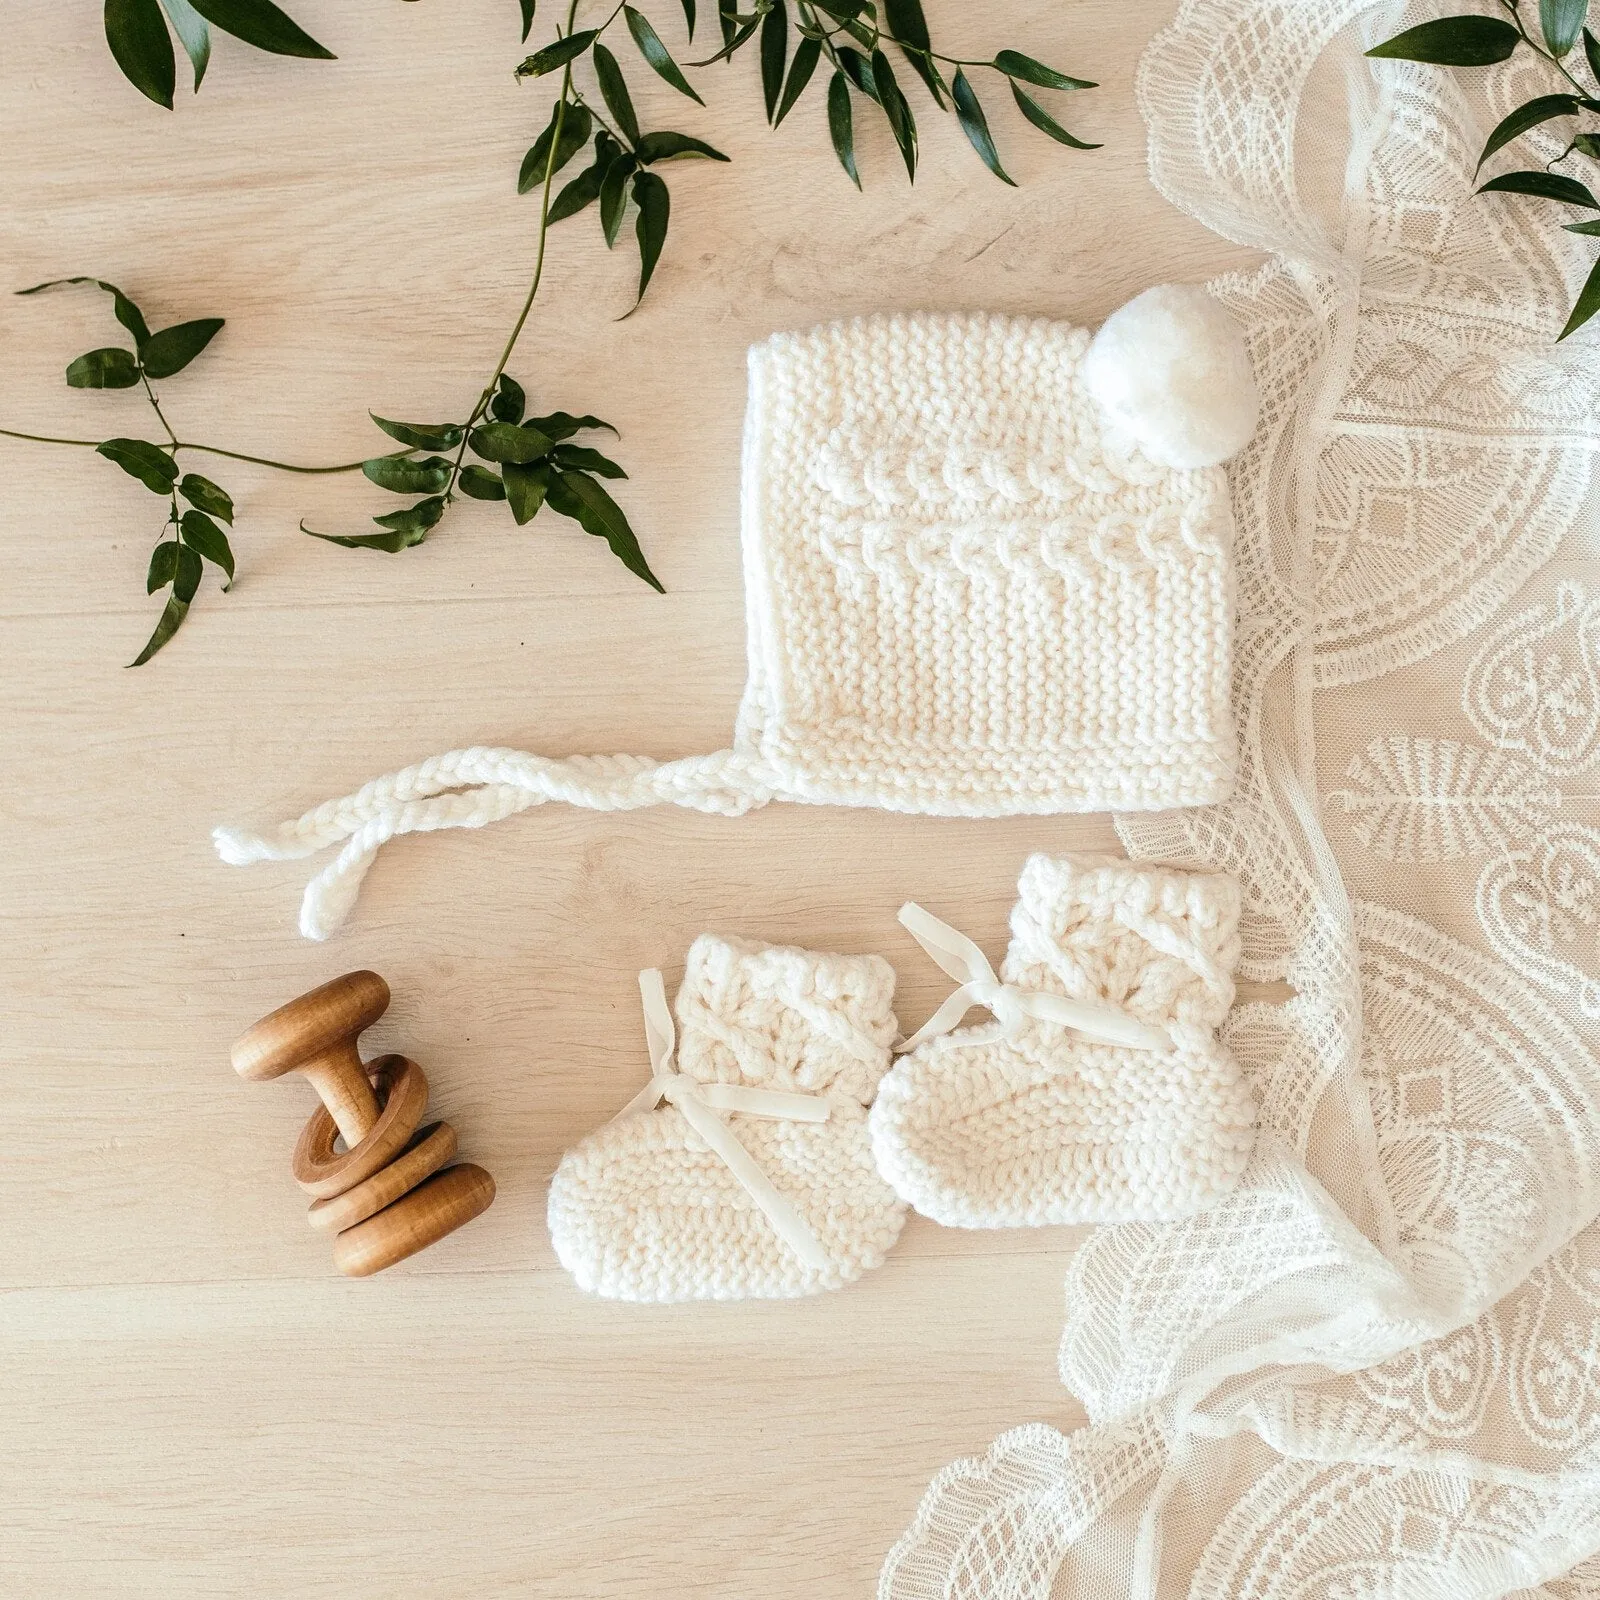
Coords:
969,966
702,1104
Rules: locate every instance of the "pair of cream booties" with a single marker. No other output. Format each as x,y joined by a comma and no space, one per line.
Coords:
775,1148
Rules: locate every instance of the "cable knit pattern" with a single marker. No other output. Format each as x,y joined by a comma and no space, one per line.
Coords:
1049,1127
968,593
643,1209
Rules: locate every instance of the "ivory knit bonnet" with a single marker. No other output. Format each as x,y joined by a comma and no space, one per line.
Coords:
988,571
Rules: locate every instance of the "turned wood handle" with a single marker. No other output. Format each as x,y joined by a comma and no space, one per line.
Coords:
316,1037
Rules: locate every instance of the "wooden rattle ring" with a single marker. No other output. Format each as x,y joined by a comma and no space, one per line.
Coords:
403,1092
440,1206
432,1148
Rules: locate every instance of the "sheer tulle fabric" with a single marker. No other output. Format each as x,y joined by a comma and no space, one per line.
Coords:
1373,1371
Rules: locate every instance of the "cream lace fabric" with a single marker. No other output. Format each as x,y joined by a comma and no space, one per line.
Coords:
1373,1373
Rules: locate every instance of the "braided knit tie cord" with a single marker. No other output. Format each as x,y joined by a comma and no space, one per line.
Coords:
469,789
700,1105
964,961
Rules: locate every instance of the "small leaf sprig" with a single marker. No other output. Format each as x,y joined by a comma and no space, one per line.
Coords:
177,563
140,44
1483,40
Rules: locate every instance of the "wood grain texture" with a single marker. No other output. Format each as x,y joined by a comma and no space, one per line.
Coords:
190,1386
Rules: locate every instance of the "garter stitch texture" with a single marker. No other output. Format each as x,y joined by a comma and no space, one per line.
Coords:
1049,1127
643,1210
970,591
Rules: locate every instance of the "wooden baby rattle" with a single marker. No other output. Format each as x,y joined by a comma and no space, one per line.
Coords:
388,1194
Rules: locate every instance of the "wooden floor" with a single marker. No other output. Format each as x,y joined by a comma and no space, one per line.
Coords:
194,1404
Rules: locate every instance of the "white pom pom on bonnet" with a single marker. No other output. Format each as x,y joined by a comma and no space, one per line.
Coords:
988,571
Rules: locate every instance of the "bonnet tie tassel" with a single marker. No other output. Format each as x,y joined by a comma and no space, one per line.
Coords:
469,789
969,966
701,1105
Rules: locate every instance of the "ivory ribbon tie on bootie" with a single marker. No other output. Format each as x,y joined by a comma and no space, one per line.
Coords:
702,1105
964,961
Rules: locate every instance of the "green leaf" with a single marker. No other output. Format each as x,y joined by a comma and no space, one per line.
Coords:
1544,185
910,27
1561,21
524,489
205,496
1591,50
736,33
582,192
558,54
807,53
1587,144
895,107
1591,228
261,23
415,521
167,353
171,621
1016,65
614,90
1588,303
510,400
393,543
394,473
110,368
1544,109
688,15
140,459
575,495
562,425
976,126
774,55
667,146
206,539
652,49
655,207
193,34
142,47
186,574
163,566
614,196
127,313
582,459
478,483
1041,119
840,126
527,17
1452,42
859,71
575,126
501,442
421,435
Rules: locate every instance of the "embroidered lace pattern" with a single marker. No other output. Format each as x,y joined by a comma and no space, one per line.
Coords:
1373,1371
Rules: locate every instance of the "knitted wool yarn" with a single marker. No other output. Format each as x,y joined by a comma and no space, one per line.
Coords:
972,588
1046,1126
645,1210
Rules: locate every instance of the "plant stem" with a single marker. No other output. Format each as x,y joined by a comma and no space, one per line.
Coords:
156,405
206,449
538,262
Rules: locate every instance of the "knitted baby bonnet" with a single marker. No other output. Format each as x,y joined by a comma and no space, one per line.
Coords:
1100,1093
988,571
755,1178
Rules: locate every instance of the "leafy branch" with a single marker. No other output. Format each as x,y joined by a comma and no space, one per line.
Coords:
137,32
530,462
1481,41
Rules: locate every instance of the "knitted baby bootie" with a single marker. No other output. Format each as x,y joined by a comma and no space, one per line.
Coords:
1099,1093
743,1169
